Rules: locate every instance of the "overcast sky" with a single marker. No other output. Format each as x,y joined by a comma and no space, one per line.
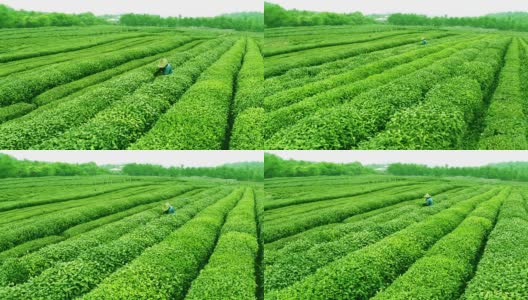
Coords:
165,158
194,8
431,158
428,7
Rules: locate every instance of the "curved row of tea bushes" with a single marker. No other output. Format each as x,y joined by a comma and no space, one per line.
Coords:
199,120
346,40
24,87
16,271
77,277
58,222
92,52
305,90
59,46
126,120
284,269
274,231
61,91
360,190
506,122
233,259
346,125
303,75
55,118
166,270
277,65
499,273
362,273
247,130
14,111
440,122
248,114
285,117
443,271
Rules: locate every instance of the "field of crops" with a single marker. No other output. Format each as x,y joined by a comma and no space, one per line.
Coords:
371,237
105,237
94,88
378,87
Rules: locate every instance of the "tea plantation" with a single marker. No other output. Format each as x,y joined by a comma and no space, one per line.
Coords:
94,88
371,237
381,87
106,237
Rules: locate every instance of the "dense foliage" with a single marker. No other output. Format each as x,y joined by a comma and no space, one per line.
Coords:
378,87
20,18
372,237
275,166
241,171
95,88
276,16
95,238
512,171
502,21
11,167
247,21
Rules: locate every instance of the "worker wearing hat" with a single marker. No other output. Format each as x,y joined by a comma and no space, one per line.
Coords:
428,200
424,41
168,209
164,68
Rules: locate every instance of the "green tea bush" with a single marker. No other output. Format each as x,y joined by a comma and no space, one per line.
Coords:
440,122
167,269
361,274
24,87
505,123
79,276
445,268
199,120
126,120
499,272
233,259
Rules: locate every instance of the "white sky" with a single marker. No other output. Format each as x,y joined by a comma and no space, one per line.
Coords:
194,8
431,158
165,158
429,7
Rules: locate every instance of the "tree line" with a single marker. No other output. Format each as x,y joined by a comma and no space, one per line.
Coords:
277,16
249,21
274,166
506,171
12,167
244,21
502,21
250,171
11,18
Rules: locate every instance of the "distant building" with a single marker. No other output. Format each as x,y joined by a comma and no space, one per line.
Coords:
381,19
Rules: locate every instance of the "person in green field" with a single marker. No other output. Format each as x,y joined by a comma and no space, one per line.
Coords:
164,68
428,200
168,209
424,41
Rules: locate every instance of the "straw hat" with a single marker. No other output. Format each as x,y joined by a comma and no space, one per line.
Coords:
166,206
163,63
427,196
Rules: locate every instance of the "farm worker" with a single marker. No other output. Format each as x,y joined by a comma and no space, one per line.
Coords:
164,68
168,209
424,41
428,200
